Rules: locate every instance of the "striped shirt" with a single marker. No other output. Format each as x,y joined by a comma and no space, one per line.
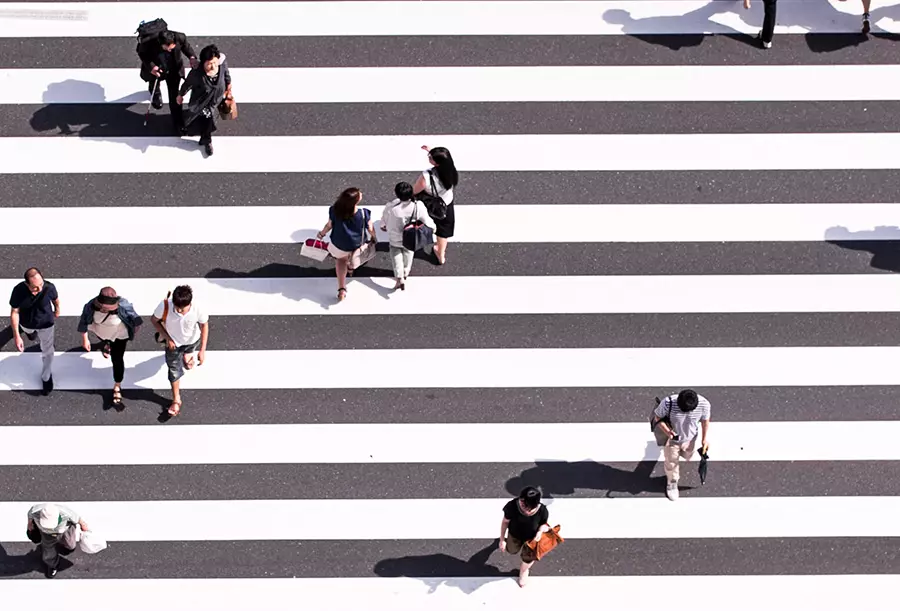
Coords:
685,424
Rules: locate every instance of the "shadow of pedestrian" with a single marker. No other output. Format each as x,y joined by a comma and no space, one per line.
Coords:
668,26
435,569
882,242
23,558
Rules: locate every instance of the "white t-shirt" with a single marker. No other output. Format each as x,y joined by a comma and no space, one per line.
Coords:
444,194
183,328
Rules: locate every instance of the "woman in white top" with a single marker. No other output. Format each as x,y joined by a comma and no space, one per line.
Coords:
444,176
397,215
113,320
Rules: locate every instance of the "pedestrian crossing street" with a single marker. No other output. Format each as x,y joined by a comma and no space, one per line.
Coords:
648,202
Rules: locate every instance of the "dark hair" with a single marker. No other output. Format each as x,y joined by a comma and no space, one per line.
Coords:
446,169
403,191
346,202
31,272
208,52
530,497
182,296
687,400
166,38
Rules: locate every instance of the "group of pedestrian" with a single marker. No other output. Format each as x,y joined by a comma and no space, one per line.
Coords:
428,202
162,53
180,325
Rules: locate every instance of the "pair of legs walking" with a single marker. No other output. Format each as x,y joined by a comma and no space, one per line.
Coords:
50,548
673,453
514,546
46,338
401,261
177,360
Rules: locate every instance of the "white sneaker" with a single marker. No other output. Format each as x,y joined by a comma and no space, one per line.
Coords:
672,491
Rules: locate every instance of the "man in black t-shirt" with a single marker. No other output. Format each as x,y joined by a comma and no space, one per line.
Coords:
35,308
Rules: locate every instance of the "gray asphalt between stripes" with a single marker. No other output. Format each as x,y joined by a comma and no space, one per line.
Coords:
381,51
442,405
463,259
445,481
458,331
435,560
145,188
122,120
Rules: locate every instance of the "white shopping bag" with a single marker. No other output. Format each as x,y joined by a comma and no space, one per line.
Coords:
315,249
91,543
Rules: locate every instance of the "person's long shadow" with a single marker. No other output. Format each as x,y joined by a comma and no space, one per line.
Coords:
29,562
114,120
829,43
436,569
668,25
883,242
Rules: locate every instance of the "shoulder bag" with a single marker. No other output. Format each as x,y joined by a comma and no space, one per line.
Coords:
366,250
416,234
160,339
436,206
661,437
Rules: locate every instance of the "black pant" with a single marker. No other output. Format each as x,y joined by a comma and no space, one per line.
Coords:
117,354
207,126
173,82
768,28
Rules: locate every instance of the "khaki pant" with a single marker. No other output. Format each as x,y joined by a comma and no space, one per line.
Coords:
514,546
673,452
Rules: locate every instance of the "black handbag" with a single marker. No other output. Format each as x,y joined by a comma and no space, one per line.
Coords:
416,234
34,535
661,438
436,206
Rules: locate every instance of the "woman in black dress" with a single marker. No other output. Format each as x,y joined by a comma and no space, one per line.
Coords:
444,177
209,84
524,519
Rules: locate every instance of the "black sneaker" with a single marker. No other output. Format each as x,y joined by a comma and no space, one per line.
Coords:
50,573
48,387
209,149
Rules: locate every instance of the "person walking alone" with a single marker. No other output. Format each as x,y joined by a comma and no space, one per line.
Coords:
185,329
438,182
679,416
113,320
348,224
53,526
524,519
396,216
209,84
768,26
34,307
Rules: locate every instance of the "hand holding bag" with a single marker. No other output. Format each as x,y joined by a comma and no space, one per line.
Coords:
315,249
661,437
416,234
546,543
90,543
228,109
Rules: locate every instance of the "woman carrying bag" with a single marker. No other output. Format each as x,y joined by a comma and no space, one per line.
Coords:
209,84
435,189
402,219
348,224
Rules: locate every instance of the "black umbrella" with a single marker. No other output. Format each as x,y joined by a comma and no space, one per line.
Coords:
704,466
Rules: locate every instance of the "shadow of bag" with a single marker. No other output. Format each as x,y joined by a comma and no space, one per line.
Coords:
547,542
661,437
228,109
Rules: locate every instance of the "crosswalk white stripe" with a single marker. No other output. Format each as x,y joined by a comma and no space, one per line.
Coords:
416,443
480,84
634,17
539,223
581,518
542,152
477,368
637,593
501,294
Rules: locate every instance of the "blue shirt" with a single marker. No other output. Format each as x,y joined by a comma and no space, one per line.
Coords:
348,235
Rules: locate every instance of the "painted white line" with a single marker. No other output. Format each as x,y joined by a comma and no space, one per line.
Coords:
481,84
592,518
539,223
795,592
403,154
502,294
635,17
416,443
477,368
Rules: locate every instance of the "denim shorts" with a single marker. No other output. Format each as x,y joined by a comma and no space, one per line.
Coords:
175,359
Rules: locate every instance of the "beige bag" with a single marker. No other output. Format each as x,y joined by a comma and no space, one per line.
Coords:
362,255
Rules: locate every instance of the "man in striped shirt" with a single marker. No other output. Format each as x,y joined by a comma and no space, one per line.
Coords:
679,416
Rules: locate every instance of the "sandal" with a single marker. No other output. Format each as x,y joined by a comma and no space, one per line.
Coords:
117,396
105,349
175,408
342,294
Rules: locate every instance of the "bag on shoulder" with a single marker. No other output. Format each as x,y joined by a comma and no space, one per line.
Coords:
160,339
661,437
416,234
436,206
367,249
147,31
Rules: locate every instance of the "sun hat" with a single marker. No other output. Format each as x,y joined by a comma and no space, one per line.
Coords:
107,300
48,518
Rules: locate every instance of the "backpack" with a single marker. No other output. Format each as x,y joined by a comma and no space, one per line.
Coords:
148,31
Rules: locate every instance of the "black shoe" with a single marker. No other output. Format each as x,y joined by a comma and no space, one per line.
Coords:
48,387
209,149
50,573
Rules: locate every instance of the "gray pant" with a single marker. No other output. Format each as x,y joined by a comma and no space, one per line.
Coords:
49,551
46,338
401,261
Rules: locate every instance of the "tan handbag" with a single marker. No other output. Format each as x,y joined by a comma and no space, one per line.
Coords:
228,109
362,255
548,541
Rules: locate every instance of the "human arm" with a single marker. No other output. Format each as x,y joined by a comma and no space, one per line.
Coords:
204,337
14,323
187,49
747,4
420,185
662,411
156,321
325,230
503,526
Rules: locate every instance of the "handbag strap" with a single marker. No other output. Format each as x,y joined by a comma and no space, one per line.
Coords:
433,187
